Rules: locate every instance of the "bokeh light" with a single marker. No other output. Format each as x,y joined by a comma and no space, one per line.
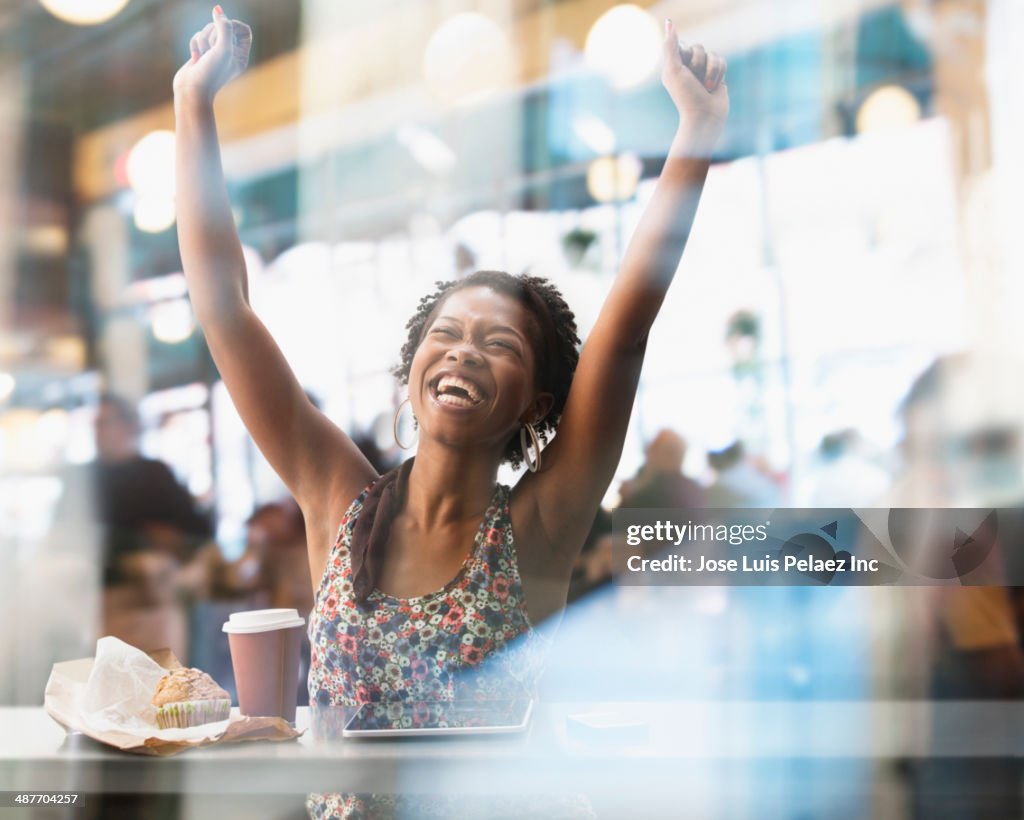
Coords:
83,12
467,58
624,46
614,179
153,213
172,322
150,166
887,108
7,385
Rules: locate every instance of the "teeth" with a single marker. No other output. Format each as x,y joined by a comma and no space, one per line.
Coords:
455,381
455,401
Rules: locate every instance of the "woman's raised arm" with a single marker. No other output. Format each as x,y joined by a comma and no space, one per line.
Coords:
581,461
319,462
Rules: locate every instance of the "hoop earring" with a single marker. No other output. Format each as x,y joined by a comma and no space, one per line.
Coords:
398,413
534,440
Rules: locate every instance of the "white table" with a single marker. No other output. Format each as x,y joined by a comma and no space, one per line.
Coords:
684,740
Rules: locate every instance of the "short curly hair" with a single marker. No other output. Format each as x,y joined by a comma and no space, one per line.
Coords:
554,338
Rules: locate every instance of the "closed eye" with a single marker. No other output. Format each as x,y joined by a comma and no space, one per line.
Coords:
501,344
447,331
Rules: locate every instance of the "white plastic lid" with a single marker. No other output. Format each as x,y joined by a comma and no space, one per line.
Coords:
262,620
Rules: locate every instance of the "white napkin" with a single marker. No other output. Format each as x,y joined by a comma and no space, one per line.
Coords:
118,695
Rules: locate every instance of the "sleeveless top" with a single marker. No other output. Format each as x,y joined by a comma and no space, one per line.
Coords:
470,640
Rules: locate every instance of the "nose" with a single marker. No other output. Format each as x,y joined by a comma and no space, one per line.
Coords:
463,353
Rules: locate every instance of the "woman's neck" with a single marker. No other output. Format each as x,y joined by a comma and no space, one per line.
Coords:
447,486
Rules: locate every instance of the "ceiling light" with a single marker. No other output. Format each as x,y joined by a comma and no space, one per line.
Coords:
172,321
887,108
154,213
150,166
83,12
614,179
624,45
467,58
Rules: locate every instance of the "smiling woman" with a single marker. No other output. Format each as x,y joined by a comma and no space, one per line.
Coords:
523,318
438,574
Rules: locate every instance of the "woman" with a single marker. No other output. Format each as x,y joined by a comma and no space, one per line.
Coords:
401,611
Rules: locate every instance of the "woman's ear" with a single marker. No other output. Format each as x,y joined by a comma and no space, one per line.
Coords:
538,409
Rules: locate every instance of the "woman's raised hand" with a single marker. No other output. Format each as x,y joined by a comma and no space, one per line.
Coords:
220,52
695,79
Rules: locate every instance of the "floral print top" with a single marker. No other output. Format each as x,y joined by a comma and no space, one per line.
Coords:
470,640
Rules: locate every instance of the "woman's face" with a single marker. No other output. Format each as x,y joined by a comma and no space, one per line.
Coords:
472,377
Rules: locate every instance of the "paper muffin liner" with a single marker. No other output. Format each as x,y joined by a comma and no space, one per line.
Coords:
187,713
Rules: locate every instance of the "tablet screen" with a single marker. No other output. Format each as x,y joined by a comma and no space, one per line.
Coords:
439,717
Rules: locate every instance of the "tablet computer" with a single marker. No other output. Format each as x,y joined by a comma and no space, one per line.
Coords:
439,718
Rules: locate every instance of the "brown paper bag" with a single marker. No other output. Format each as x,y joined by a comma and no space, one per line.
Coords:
68,679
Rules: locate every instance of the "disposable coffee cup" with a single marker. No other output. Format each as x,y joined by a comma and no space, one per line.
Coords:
265,656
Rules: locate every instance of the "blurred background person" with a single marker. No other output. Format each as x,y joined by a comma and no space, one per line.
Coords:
963,418
660,481
962,449
658,484
846,476
741,480
148,524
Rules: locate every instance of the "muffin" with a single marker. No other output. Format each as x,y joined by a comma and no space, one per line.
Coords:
189,697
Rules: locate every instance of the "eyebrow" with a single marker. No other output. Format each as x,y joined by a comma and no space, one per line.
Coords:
491,329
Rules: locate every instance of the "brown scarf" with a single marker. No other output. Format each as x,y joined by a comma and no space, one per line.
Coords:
370,534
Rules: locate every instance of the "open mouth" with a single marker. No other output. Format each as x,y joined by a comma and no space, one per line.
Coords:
456,392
